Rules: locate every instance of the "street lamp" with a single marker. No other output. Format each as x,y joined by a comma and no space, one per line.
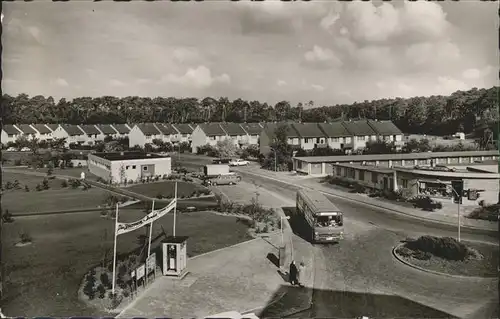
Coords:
275,161
281,226
459,198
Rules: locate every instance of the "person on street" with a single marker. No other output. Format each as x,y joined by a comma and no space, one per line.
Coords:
293,274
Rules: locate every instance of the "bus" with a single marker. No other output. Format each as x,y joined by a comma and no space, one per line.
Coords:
325,221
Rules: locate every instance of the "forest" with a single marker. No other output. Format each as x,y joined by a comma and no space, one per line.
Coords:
461,111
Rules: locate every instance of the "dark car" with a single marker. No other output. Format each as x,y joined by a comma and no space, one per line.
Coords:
221,161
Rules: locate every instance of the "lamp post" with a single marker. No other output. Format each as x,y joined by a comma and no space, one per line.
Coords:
281,226
459,199
275,161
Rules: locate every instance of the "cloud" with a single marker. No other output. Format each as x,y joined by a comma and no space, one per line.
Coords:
185,55
320,57
199,78
318,87
281,83
61,82
476,74
115,82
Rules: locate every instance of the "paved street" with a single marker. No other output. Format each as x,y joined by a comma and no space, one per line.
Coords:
363,263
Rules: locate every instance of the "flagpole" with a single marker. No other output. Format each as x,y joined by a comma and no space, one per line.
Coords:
114,250
151,230
175,207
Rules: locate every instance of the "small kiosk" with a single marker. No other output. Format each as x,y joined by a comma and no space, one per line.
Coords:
174,256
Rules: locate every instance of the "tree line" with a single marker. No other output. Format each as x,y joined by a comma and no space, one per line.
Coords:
438,115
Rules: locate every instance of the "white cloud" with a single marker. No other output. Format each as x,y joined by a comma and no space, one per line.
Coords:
371,23
322,57
329,21
281,83
200,78
476,74
448,85
115,82
318,87
374,57
61,82
183,55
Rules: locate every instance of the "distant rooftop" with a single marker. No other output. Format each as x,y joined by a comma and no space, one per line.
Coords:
123,156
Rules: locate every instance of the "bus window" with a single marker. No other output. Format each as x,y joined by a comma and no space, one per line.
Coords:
329,221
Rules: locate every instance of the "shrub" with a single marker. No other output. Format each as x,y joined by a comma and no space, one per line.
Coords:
444,247
102,291
404,251
50,171
7,217
26,188
485,212
38,187
89,289
126,293
421,255
64,183
159,196
9,185
130,181
45,184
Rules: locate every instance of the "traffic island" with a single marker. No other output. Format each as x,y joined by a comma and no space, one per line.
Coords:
448,257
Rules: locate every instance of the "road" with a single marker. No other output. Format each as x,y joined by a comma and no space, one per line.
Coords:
361,277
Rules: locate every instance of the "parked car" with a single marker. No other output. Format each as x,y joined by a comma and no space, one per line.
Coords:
238,162
25,149
11,149
223,179
221,161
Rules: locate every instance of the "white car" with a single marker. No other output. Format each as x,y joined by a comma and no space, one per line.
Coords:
25,149
238,162
11,149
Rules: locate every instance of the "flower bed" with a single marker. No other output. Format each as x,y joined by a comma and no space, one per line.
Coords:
447,255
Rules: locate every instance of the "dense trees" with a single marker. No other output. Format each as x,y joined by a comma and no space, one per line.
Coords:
439,115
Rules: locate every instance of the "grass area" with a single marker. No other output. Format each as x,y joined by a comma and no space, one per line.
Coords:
439,140
482,260
28,180
43,278
167,189
52,200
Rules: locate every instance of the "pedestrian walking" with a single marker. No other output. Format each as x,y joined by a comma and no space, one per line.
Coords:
293,274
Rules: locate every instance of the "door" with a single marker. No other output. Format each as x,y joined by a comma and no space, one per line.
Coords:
386,183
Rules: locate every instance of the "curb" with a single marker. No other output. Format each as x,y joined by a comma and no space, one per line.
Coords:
437,273
391,210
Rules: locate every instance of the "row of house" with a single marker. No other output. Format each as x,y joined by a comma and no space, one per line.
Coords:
345,135
77,134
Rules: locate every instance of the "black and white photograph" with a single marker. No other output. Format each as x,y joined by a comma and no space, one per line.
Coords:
250,159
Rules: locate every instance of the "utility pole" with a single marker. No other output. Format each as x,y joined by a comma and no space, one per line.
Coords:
2,273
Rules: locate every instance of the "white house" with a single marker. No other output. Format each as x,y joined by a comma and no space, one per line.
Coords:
235,133
387,131
207,133
72,133
10,134
43,132
338,137
106,130
142,134
126,166
253,131
361,133
168,132
122,130
310,135
268,135
185,132
26,130
93,135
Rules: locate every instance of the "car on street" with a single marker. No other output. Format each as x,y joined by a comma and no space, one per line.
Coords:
238,162
221,161
11,149
25,149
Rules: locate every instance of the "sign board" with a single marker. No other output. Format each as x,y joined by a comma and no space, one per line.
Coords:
123,228
141,270
151,263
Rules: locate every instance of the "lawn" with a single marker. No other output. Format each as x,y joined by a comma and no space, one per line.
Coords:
43,278
29,180
167,189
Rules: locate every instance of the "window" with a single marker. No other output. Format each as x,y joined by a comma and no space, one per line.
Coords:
404,183
212,138
144,168
335,139
361,175
133,166
127,167
339,171
234,137
387,137
306,140
348,139
360,138
374,177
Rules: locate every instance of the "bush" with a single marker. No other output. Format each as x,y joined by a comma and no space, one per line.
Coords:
50,171
102,291
444,247
64,183
159,196
485,212
38,187
426,203
421,255
45,184
89,289
404,251
7,217
26,188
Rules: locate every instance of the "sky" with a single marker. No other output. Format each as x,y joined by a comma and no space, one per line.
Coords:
325,51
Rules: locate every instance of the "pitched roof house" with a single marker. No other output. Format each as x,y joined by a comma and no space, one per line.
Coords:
10,134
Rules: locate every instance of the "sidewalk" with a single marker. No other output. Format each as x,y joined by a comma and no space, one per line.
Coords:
312,183
237,278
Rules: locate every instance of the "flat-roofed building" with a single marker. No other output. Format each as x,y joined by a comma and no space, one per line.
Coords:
122,167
